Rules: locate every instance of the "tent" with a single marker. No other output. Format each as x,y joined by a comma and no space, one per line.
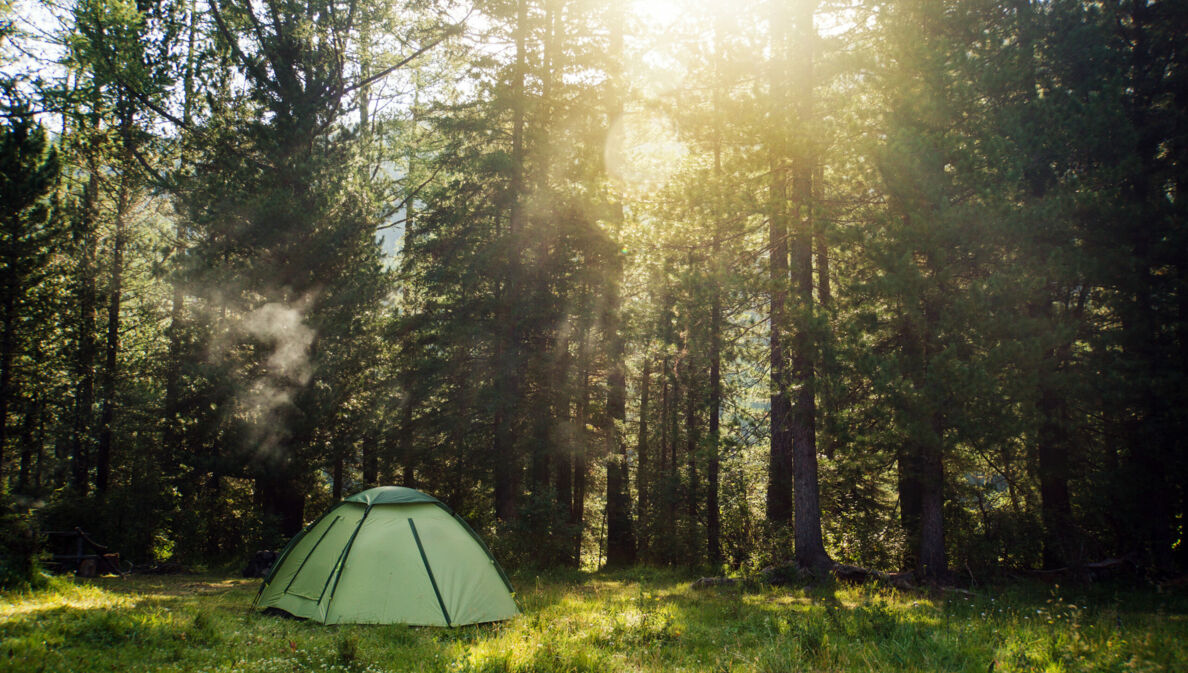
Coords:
389,555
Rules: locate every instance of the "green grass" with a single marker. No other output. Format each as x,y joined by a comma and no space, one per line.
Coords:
639,620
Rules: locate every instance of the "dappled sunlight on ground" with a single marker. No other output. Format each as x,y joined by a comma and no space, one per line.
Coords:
170,586
63,595
637,620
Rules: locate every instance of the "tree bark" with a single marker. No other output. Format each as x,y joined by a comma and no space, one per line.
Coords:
827,363
404,430
692,440
642,476
171,434
563,479
713,515
337,476
672,476
780,470
39,470
1152,441
84,356
115,297
932,563
577,518
1053,463
908,485
665,412
927,444
506,472
7,354
713,511
810,549
620,533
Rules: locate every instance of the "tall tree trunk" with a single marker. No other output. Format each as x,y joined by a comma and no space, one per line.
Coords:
562,463
369,453
1181,432
620,534
827,365
821,239
1052,456
506,470
927,445
932,563
672,476
810,550
7,354
39,470
688,377
577,517
665,411
692,440
713,514
115,297
713,524
780,470
171,435
908,488
84,236
1153,440
338,469
563,479
404,429
369,462
664,501
642,476
909,463
1052,439
172,431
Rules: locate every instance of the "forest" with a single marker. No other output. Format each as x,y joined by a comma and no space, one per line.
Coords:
898,284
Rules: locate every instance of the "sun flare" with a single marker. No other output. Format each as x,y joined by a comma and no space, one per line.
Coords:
659,13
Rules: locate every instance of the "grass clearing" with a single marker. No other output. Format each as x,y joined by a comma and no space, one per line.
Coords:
637,620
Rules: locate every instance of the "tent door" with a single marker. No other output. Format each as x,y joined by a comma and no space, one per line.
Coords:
306,588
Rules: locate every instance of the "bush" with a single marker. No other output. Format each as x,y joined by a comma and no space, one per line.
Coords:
18,549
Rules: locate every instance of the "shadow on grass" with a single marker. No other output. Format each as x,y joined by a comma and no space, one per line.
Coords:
824,626
634,619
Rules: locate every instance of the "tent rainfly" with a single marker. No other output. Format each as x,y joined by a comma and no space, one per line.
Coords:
389,555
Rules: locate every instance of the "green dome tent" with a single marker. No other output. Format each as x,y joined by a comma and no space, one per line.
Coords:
389,555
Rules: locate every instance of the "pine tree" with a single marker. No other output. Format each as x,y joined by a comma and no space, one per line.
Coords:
28,174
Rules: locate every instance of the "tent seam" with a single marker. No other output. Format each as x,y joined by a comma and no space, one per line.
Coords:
425,559
341,564
311,551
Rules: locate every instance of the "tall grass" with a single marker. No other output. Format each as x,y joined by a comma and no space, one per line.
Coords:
638,620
